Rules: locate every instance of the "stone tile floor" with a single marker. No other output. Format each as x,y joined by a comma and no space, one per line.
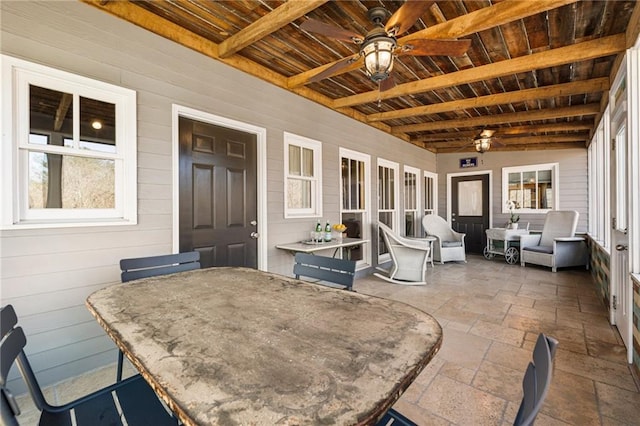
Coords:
491,314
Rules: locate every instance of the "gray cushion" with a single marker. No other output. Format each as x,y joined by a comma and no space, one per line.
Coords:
452,244
540,249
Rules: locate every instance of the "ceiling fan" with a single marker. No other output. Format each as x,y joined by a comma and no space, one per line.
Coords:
379,46
482,142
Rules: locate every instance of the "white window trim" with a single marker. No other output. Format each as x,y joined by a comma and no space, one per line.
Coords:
316,190
396,210
555,173
633,130
418,210
366,159
366,213
599,184
434,176
16,76
395,225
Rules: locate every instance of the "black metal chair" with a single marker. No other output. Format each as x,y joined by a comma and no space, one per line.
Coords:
392,417
329,269
143,267
151,266
537,380
129,401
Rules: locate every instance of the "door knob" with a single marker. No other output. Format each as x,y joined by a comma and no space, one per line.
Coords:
255,235
621,247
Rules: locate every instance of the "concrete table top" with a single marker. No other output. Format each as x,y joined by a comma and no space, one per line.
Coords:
241,346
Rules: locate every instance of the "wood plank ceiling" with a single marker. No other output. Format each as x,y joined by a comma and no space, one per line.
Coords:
536,71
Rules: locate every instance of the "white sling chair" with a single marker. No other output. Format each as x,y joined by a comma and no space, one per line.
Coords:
409,256
557,246
449,244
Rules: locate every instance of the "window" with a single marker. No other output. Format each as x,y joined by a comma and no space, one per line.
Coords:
387,202
69,153
430,193
599,192
303,176
355,207
621,177
411,191
533,189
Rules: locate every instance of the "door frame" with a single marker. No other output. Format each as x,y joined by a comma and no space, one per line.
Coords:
625,111
261,172
450,177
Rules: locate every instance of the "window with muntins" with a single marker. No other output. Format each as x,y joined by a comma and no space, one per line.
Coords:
355,206
532,189
70,155
430,193
303,176
599,180
411,191
387,202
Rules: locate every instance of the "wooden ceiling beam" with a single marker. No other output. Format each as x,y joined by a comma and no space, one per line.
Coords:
61,112
513,117
563,55
471,23
507,131
566,89
522,147
633,28
269,23
506,142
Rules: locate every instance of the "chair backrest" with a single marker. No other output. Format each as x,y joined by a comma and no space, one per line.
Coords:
390,237
436,226
558,223
537,380
143,267
11,351
338,271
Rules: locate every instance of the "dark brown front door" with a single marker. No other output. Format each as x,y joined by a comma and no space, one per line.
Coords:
470,209
218,201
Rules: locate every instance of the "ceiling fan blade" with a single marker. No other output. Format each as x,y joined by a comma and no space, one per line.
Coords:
338,33
334,68
432,47
387,83
465,147
406,16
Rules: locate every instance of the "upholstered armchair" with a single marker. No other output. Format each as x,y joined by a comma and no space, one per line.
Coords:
557,246
409,256
449,245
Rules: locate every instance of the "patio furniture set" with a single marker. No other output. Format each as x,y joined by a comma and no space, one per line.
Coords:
292,344
556,246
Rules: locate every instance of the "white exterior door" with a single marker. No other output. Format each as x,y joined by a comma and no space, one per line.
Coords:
621,287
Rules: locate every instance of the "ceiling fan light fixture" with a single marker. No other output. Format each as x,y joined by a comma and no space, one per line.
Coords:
482,144
378,57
